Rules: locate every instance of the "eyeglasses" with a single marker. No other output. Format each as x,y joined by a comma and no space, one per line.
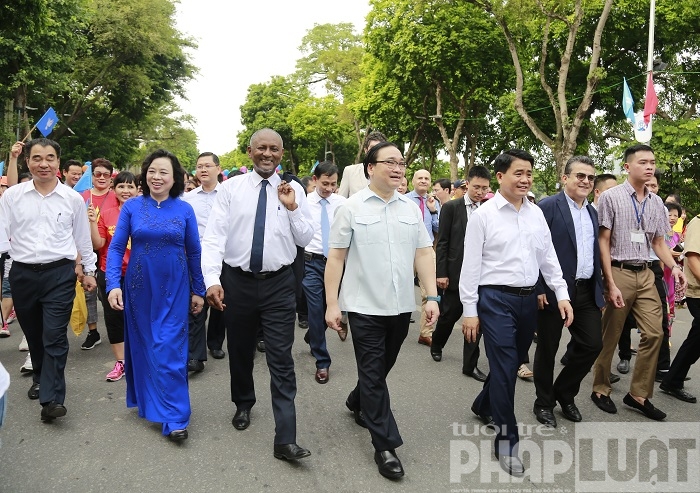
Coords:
101,174
583,176
393,164
205,166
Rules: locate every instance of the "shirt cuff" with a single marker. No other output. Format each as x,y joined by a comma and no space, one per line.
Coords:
211,280
470,311
562,294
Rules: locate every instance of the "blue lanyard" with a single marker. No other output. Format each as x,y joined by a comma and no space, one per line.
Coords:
636,211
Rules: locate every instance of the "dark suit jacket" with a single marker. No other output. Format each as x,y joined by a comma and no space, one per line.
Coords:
449,251
561,225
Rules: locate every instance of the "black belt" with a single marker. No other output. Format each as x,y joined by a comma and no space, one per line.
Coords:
583,282
525,291
260,275
43,267
309,256
633,267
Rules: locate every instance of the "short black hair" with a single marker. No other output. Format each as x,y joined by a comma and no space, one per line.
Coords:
674,198
178,173
305,180
503,161
378,136
24,176
101,162
65,166
214,157
444,183
371,157
603,177
124,177
634,149
577,159
479,172
43,142
673,206
325,168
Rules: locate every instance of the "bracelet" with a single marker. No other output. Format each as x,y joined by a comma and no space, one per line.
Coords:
433,298
675,265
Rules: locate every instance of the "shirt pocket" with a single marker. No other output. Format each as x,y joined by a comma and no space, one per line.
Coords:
61,225
408,232
368,230
282,224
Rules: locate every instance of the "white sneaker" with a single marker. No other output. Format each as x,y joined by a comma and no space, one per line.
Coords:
23,346
11,317
4,331
27,366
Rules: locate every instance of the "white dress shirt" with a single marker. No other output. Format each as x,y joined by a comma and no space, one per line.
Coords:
506,247
314,199
583,225
45,229
229,233
201,202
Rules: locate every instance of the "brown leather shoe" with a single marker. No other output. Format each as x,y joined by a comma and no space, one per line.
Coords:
322,375
426,341
343,332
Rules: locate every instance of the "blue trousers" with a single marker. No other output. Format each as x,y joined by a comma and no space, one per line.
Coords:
316,302
508,323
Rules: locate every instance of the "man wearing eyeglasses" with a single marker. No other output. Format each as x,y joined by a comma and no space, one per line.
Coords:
573,224
202,199
430,210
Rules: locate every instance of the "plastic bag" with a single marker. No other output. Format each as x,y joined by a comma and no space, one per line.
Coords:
78,317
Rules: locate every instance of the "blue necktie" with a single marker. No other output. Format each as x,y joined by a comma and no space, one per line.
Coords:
325,227
256,252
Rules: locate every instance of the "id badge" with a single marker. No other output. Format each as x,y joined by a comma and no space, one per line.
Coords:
638,236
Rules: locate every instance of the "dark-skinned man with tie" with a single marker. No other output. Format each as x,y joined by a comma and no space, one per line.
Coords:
255,226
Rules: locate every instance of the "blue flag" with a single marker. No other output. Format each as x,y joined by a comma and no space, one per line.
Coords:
47,122
85,182
627,102
2,167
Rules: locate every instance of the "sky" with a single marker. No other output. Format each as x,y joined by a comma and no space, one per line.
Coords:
242,43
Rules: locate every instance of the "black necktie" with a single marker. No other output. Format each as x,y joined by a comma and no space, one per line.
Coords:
256,252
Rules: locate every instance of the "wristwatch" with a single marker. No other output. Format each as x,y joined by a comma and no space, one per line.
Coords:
433,298
90,273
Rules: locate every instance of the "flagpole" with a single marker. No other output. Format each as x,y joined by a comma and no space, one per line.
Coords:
28,134
652,21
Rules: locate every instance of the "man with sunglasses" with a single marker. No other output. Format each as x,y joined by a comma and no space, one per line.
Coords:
102,197
573,224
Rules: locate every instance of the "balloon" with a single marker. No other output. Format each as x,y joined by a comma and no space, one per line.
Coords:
279,168
235,168
243,169
85,168
225,172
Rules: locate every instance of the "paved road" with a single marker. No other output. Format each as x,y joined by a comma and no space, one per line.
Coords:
103,446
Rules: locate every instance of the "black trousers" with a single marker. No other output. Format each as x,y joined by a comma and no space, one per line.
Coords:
689,352
43,304
587,336
377,341
270,304
196,334
114,319
216,329
450,313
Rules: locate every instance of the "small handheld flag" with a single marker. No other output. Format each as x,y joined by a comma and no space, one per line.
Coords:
650,101
2,167
627,102
85,182
47,122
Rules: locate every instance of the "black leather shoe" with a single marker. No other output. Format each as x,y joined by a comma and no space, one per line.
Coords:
436,353
614,378
178,435
476,374
604,403
681,394
217,353
260,345
290,451
511,465
647,408
624,366
571,412
33,392
545,416
241,420
52,410
303,324
195,365
388,464
564,360
359,417
485,418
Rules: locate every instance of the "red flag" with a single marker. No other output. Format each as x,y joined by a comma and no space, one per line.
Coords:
651,101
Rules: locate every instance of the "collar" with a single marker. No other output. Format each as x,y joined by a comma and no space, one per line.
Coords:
502,202
315,198
256,179
571,202
469,201
60,188
199,189
366,193
629,189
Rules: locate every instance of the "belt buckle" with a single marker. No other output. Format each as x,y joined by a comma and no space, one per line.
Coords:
525,291
308,256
